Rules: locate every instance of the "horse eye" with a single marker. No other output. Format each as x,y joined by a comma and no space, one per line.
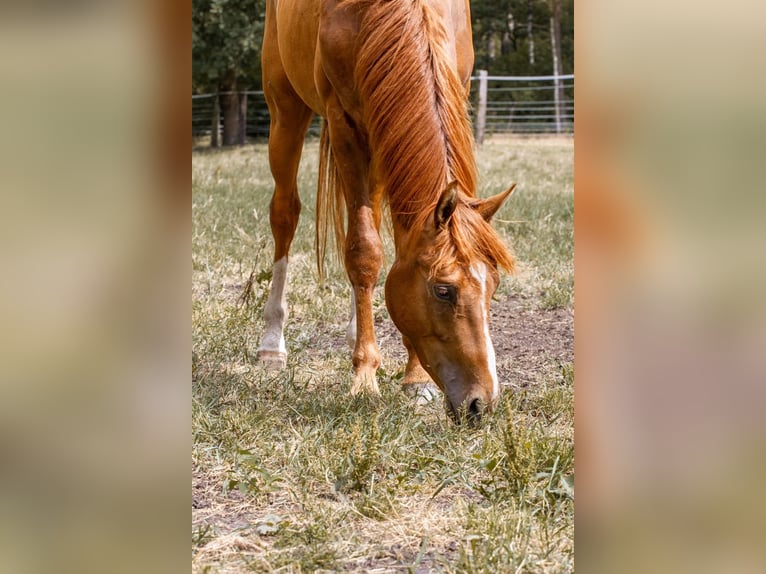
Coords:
445,293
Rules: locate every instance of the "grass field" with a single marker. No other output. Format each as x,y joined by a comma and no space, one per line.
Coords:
290,474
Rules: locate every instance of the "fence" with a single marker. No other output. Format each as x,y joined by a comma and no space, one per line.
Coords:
205,109
522,104
499,105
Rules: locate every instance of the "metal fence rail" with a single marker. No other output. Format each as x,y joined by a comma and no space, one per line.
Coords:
513,105
522,104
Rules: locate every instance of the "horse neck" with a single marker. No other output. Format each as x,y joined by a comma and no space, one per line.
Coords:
416,117
405,238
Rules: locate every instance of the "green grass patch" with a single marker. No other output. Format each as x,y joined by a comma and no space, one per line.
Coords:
291,474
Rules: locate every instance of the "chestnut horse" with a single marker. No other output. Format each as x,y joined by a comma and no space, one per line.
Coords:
391,79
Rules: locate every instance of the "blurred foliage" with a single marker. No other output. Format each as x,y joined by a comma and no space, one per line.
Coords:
226,41
227,37
502,41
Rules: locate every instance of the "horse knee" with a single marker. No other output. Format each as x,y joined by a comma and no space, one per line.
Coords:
364,258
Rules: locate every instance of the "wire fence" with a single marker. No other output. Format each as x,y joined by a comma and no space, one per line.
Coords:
514,105
523,104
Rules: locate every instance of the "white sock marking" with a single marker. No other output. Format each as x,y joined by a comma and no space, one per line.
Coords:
275,310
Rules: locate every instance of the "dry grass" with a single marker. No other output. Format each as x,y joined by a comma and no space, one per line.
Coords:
290,474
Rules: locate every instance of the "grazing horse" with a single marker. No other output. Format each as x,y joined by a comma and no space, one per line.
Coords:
391,78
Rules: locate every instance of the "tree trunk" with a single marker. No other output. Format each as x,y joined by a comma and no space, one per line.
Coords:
230,109
509,34
558,89
242,136
530,35
491,45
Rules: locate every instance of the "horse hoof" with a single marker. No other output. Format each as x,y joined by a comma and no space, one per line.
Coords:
272,359
423,393
365,381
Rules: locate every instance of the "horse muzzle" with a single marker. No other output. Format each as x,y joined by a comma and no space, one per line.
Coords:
471,409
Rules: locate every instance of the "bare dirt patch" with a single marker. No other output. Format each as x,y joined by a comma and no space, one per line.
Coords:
530,343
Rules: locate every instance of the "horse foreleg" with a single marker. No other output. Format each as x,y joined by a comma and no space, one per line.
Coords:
272,351
377,196
289,121
363,255
417,382
364,259
351,329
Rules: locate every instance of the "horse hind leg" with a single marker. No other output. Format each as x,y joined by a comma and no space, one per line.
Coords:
290,119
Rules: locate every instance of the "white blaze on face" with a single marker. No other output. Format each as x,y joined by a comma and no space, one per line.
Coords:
479,271
275,310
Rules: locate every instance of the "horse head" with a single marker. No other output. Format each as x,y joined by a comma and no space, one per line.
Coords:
438,294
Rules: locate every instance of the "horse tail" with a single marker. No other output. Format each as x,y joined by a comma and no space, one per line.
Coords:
331,207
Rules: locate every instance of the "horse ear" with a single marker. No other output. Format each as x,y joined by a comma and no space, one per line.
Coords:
446,206
488,207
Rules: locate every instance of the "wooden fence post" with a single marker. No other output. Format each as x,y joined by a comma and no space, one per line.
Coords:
481,112
242,135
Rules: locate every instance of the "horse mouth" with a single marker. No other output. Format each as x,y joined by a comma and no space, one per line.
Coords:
470,412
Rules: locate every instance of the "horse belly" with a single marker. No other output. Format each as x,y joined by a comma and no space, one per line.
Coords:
297,25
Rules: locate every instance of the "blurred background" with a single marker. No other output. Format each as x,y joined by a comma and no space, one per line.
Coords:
94,323
670,275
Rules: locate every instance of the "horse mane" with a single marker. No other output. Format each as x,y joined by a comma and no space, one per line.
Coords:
415,112
414,105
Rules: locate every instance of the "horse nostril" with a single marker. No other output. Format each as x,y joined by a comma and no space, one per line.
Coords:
475,408
470,411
